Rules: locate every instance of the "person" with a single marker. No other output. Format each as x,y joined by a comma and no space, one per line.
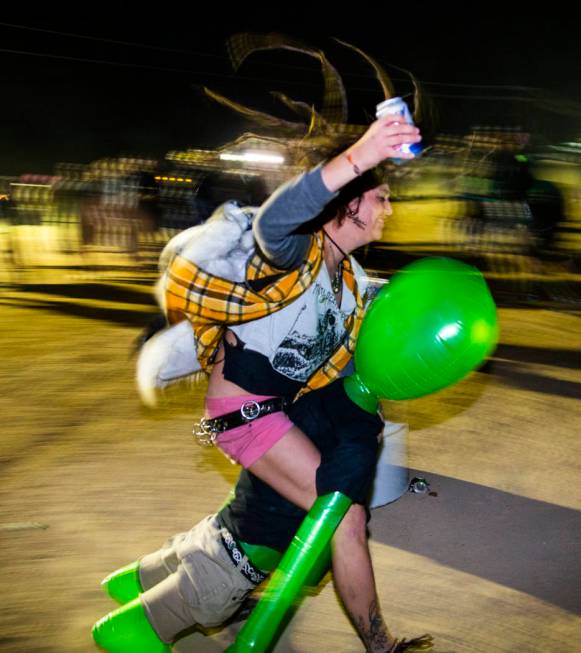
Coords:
202,577
301,345
303,340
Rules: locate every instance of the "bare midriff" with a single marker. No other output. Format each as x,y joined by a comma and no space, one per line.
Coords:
218,386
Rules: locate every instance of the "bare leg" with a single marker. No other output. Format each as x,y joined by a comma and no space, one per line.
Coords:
289,467
355,582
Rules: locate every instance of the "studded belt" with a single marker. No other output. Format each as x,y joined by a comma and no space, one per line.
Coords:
237,555
207,430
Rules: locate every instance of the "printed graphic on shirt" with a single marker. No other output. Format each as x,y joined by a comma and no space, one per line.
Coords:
308,345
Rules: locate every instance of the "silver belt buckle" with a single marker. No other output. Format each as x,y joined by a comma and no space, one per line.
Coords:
250,410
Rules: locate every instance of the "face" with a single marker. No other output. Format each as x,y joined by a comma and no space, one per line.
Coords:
374,208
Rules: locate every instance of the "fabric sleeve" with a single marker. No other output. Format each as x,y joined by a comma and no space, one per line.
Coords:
299,200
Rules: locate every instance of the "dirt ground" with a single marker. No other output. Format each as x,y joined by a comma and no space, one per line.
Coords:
90,480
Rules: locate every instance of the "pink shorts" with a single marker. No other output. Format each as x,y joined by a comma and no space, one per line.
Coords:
246,444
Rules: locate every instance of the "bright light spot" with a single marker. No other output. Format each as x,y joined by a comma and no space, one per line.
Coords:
31,185
449,331
254,157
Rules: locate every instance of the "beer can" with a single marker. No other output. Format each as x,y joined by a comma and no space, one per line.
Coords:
395,106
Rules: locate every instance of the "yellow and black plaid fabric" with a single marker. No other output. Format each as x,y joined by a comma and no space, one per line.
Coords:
212,303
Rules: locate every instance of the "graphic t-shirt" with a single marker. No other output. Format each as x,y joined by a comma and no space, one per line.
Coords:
299,338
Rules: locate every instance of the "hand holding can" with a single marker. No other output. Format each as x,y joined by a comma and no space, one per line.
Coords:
385,139
397,107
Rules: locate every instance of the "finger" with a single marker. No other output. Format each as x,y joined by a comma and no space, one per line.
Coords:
400,128
399,140
394,121
391,119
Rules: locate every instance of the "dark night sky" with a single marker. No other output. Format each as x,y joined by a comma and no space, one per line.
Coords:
144,100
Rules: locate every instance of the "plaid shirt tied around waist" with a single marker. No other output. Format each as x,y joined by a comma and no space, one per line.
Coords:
211,303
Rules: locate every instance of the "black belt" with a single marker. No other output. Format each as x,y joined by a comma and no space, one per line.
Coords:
207,429
237,555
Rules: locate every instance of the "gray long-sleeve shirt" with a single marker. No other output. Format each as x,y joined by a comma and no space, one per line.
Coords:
299,200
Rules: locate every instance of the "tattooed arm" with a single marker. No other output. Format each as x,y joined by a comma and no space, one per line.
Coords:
373,630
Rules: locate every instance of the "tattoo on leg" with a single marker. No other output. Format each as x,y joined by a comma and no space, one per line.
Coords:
374,633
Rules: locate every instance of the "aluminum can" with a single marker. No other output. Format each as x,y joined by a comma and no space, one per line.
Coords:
395,106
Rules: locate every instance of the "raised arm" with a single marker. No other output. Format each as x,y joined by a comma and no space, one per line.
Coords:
294,203
305,196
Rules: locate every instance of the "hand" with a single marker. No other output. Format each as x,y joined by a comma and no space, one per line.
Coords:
383,140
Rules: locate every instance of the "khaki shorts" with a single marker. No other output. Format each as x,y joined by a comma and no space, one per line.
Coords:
193,580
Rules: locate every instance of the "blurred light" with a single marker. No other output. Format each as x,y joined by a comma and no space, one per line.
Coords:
34,185
254,157
183,180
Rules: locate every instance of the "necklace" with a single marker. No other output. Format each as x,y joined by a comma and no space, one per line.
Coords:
337,280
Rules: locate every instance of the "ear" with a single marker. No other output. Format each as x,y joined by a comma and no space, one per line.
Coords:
353,206
352,209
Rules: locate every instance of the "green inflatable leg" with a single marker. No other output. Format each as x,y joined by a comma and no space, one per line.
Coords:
127,630
123,585
308,544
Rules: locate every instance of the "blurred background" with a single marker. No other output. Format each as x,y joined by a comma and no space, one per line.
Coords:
119,132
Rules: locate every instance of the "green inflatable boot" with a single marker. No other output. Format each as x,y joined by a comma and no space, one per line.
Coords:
123,585
127,630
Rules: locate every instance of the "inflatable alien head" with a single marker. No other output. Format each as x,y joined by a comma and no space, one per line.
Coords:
431,325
